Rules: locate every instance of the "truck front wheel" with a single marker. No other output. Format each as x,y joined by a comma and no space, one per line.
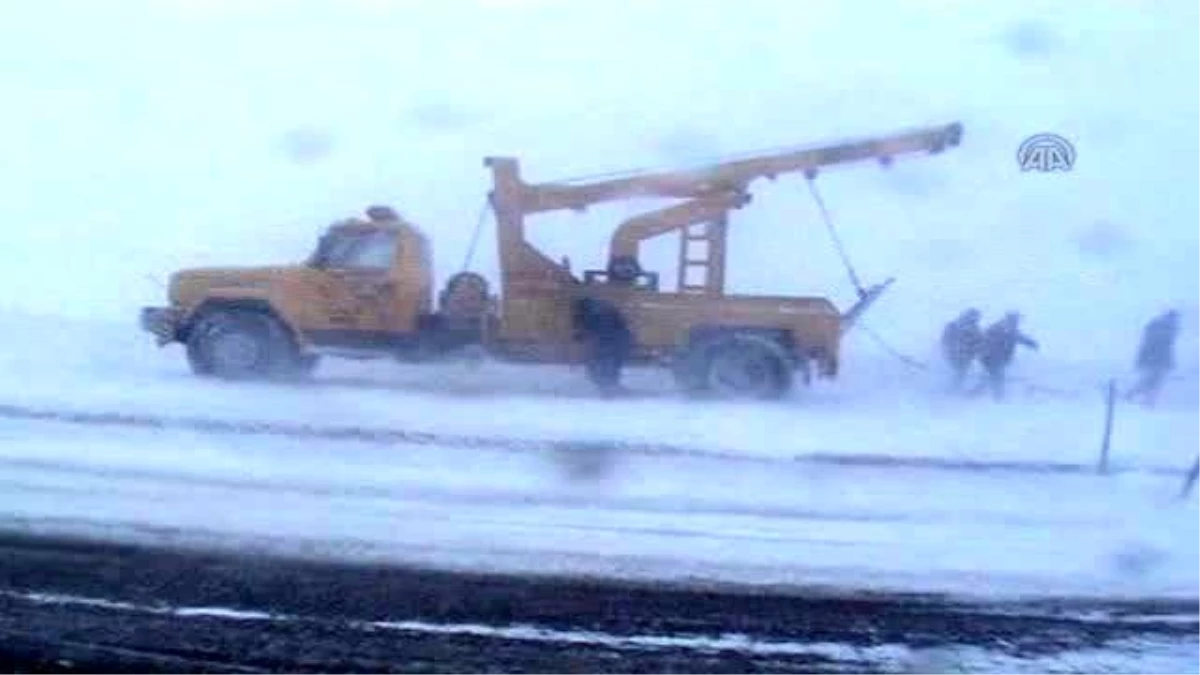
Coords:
242,345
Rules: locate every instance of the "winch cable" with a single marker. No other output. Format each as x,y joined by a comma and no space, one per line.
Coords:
479,221
838,246
907,359
837,241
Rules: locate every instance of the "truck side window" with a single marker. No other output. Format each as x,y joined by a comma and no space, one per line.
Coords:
373,251
363,250
337,252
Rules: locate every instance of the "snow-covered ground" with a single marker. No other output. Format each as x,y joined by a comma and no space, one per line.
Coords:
974,533
879,407
738,505
255,124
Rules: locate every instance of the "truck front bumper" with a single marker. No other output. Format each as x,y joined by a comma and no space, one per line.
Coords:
162,322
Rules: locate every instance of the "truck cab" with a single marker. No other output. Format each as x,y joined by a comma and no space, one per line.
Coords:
366,291
374,284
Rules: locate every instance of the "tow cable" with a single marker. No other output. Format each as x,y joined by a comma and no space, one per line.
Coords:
832,229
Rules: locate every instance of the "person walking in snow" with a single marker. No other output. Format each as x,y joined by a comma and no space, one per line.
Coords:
961,341
607,342
1155,357
999,346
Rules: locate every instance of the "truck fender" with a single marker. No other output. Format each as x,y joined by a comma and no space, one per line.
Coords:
257,305
703,337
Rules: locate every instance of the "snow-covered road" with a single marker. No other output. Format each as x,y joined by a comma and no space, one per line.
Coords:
994,533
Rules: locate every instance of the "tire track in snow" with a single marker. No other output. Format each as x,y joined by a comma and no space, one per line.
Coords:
400,437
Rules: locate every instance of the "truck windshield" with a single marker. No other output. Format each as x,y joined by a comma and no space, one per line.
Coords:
355,250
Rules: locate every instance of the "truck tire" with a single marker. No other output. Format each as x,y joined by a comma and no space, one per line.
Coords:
747,367
466,295
244,345
689,367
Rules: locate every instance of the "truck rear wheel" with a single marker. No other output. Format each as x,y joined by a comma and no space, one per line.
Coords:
243,345
748,367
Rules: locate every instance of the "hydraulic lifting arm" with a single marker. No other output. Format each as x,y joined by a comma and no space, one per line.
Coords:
711,190
735,175
705,209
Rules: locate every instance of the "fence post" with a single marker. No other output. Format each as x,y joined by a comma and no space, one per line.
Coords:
1109,404
1191,479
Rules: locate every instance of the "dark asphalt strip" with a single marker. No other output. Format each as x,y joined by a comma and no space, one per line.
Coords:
75,634
307,615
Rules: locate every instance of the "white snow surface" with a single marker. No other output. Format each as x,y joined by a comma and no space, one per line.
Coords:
744,510
256,124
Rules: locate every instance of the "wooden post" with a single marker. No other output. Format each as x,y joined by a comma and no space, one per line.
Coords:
1109,404
1190,481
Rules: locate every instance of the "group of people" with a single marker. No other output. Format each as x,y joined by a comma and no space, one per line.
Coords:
964,342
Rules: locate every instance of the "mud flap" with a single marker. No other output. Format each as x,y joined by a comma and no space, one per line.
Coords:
865,300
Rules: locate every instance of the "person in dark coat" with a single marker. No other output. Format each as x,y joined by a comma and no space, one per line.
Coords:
1155,357
999,346
608,342
961,340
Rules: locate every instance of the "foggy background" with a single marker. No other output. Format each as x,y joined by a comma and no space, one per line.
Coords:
140,137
